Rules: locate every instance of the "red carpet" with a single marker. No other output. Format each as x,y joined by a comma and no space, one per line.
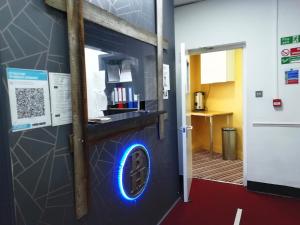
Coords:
216,203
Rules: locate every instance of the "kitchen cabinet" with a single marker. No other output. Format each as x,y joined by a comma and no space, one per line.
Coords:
217,67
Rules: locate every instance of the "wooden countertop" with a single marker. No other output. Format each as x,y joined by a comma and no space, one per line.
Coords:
210,113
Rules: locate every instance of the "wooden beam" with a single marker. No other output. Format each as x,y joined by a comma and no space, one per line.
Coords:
75,27
106,19
197,51
159,31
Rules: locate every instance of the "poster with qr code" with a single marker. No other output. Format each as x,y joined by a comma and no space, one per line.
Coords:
28,98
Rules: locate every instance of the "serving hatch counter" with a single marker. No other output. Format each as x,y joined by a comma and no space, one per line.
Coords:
119,123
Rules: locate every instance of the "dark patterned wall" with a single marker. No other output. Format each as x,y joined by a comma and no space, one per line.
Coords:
6,192
108,207
32,36
43,177
140,13
35,36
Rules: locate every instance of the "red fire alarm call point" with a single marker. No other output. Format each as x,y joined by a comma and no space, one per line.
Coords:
277,102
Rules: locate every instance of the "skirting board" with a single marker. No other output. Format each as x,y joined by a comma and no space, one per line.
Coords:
167,213
273,189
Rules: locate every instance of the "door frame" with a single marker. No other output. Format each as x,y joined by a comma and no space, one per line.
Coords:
231,46
183,124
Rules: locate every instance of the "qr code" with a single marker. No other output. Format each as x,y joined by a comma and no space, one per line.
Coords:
30,102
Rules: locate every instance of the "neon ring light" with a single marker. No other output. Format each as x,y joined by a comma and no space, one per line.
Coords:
134,172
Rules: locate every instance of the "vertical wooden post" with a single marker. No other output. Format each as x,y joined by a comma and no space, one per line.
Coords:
159,31
77,67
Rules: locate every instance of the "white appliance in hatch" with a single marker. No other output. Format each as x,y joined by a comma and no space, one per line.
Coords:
199,101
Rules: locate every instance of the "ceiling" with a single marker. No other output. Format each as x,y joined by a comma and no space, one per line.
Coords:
178,3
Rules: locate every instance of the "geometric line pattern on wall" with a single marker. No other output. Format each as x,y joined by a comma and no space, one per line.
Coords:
43,181
34,36
31,37
139,13
104,163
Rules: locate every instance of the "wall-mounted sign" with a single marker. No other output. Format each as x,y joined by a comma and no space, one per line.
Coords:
290,52
134,172
295,51
166,81
290,40
29,98
166,77
61,102
290,59
292,76
285,52
165,94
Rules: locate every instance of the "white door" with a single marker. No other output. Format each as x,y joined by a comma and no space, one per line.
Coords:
184,123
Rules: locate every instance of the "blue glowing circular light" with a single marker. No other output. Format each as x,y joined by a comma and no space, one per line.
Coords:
121,171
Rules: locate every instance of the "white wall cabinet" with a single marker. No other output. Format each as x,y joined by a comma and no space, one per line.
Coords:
217,67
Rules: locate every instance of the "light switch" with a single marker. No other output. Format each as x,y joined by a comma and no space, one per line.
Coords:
259,94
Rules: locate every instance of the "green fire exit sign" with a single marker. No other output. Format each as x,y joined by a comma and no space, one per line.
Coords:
292,59
290,40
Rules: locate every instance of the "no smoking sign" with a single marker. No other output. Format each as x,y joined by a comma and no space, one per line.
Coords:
285,52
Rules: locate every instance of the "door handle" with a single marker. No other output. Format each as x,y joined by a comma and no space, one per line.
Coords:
184,129
189,127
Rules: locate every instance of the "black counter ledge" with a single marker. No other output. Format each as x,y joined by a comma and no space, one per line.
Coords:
120,123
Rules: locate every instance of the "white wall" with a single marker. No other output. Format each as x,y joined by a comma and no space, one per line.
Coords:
273,153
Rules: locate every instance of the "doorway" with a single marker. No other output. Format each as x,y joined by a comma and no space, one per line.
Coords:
217,73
